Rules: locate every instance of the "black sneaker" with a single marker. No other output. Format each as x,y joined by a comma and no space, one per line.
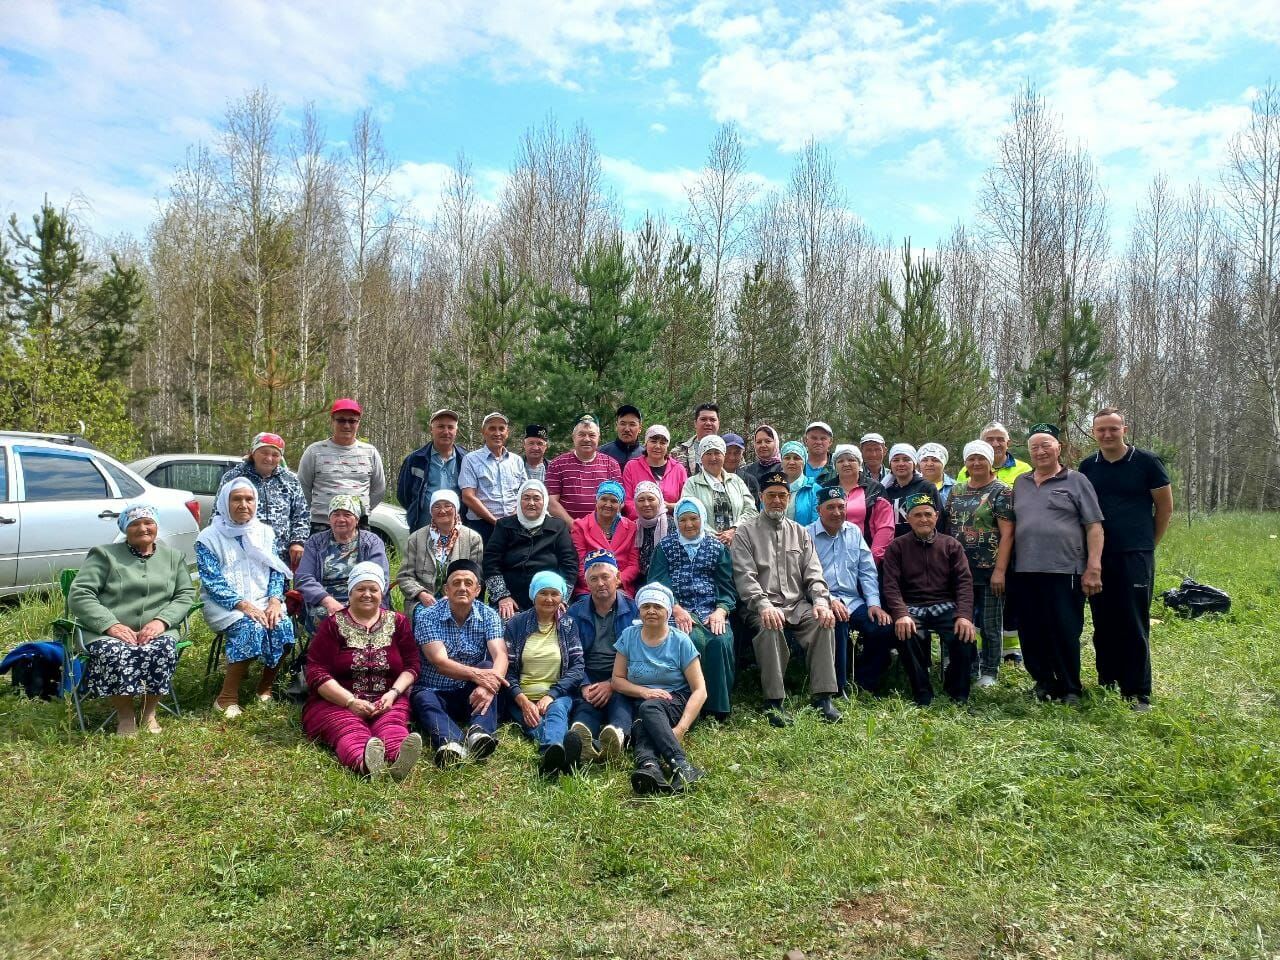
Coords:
776,715
827,710
1041,693
573,751
684,775
552,762
480,745
648,778
1072,699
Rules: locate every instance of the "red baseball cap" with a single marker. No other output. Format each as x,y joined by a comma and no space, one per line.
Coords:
345,405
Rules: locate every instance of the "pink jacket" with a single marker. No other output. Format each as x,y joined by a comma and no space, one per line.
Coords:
637,472
588,536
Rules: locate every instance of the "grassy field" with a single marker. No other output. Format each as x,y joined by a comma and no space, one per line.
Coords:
1002,829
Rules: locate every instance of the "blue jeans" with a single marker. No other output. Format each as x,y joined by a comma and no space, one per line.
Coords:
618,712
553,726
440,713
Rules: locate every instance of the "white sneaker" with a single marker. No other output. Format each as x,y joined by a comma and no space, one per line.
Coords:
450,754
410,751
611,742
375,758
589,751
985,681
230,713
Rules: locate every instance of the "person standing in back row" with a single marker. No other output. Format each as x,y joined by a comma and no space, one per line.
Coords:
343,464
1137,501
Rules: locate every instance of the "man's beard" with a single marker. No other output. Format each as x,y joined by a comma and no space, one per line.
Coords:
775,514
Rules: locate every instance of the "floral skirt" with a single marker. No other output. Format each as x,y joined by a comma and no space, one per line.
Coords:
248,640
119,669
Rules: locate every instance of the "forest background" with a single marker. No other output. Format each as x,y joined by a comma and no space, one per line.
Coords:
279,274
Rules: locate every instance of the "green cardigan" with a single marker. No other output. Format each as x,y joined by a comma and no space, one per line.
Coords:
113,586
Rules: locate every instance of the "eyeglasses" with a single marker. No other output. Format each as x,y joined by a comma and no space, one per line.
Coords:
346,420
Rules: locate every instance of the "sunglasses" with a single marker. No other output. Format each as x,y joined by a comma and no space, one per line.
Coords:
347,420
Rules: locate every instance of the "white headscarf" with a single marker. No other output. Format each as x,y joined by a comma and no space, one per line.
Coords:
253,536
541,488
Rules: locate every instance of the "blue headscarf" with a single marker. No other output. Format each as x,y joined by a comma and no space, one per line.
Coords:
690,505
548,580
613,488
136,511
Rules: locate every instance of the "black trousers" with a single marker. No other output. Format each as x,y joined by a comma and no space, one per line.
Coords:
1122,622
651,733
1050,621
873,658
482,527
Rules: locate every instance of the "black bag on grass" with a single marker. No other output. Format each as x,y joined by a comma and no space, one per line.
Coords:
1193,599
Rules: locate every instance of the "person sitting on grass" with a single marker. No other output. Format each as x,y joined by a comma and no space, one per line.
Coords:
544,670
129,597
360,664
242,584
463,669
926,586
659,666
602,718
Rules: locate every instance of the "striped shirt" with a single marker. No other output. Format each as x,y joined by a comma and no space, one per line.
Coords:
575,482
467,643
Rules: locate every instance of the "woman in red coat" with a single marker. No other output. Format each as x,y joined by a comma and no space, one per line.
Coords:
607,529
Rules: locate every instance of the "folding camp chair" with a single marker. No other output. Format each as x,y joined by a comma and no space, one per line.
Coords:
69,632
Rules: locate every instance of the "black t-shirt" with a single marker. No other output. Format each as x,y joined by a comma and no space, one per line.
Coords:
1124,493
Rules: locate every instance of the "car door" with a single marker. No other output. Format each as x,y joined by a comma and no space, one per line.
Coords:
65,507
8,527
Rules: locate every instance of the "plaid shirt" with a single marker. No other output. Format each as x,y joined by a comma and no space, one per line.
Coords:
466,644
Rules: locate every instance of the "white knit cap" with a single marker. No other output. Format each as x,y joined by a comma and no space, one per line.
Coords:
980,447
906,448
712,442
935,450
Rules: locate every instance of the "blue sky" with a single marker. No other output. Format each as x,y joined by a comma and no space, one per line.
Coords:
101,100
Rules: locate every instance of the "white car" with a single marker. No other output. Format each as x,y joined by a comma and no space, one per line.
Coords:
202,473
59,499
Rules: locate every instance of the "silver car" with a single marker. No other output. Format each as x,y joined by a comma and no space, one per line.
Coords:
59,499
202,472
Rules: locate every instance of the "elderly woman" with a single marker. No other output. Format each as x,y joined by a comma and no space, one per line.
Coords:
865,505
545,667
803,506
360,666
281,504
660,667
524,544
608,529
242,585
432,548
980,515
723,495
656,467
933,467
651,524
330,555
129,597
699,573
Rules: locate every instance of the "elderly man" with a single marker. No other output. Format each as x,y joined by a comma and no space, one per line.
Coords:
464,667
905,481
534,450
706,423
626,444
1137,501
928,587
601,717
437,466
781,589
872,447
574,477
850,572
1058,561
491,477
817,443
342,464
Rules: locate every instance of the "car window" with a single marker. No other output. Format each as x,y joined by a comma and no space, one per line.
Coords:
55,476
199,478
128,486
4,477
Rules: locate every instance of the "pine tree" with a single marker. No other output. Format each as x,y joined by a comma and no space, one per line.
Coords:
907,374
1059,383
584,357
763,371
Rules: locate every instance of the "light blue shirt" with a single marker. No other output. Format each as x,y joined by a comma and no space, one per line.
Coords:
847,565
496,480
662,666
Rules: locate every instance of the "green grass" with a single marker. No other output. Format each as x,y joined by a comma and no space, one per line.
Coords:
1003,829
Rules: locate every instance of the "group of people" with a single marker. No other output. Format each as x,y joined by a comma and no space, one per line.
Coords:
625,585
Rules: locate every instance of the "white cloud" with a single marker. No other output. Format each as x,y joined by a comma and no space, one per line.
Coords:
925,161
640,188
658,128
